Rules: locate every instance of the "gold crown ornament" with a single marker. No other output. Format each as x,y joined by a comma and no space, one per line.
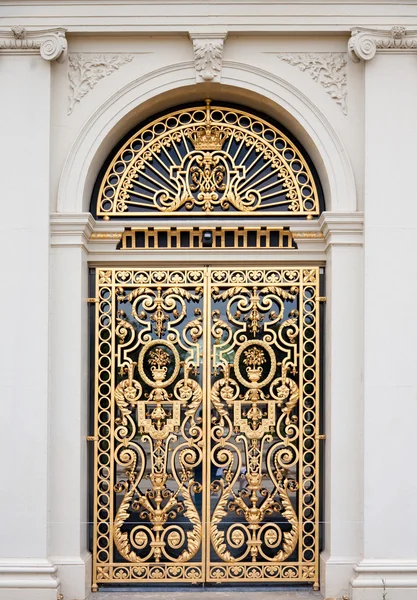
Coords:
207,136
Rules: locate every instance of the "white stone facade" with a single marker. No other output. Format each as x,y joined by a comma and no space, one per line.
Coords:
75,77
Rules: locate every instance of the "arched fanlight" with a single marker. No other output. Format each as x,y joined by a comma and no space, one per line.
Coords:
208,160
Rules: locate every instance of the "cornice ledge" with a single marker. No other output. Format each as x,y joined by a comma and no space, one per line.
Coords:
69,229
50,43
208,55
364,43
343,229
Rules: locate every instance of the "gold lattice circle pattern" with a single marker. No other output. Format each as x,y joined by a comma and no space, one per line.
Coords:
208,160
172,500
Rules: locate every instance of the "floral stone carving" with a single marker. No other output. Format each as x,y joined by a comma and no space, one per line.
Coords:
208,56
86,70
327,68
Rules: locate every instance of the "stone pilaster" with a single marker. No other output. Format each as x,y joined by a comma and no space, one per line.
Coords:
389,549
26,572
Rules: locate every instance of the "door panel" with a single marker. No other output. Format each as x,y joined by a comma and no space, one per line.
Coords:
262,439
206,412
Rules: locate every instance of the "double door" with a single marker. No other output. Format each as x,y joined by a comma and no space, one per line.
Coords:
206,425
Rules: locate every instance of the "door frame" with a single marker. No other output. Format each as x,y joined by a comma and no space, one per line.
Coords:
235,265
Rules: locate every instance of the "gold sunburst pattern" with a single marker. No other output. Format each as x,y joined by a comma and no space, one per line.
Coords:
208,160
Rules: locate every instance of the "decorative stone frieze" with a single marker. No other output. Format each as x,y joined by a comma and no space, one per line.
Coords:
51,44
327,68
208,56
365,43
85,71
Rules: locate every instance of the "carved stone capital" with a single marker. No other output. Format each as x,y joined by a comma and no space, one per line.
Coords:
208,55
51,44
71,230
365,43
341,228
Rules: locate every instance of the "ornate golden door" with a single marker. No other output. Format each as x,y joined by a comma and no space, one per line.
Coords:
206,425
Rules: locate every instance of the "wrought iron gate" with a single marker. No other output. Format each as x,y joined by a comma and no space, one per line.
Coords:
206,425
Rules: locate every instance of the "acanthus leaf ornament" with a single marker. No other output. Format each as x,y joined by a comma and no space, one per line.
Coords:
51,44
19,32
364,43
86,70
208,55
327,68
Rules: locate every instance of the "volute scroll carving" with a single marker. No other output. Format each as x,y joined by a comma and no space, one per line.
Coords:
50,43
365,43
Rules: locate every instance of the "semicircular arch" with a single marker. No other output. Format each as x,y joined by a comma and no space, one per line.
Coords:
208,159
242,84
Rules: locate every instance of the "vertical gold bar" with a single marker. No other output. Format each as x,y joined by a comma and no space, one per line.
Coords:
207,418
301,421
95,452
317,479
112,374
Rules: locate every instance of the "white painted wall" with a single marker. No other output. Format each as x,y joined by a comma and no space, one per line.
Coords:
366,159
24,302
390,330
343,407
69,415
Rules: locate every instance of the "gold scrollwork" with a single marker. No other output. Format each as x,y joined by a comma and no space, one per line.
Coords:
208,159
259,425
206,425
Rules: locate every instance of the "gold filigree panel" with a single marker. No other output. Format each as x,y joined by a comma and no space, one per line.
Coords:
208,160
206,416
264,405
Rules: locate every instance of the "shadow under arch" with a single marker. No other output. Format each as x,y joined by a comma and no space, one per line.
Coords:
241,84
